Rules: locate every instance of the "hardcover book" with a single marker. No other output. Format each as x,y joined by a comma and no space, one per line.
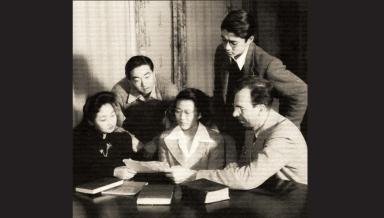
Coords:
204,191
156,194
99,185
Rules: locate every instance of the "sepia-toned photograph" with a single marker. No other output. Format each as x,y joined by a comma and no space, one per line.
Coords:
190,108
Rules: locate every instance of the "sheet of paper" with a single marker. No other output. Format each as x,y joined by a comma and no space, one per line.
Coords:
146,166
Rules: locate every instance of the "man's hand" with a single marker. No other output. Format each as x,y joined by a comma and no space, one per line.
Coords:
123,172
180,174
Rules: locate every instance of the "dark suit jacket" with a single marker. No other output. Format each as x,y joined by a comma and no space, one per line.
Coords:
289,89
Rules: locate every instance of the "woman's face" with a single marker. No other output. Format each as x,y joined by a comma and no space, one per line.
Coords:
105,120
186,114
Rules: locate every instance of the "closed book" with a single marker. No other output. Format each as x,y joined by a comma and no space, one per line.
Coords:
99,185
127,188
204,191
156,194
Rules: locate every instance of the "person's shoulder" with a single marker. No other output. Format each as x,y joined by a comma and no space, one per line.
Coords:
121,135
165,133
261,54
286,129
215,135
122,85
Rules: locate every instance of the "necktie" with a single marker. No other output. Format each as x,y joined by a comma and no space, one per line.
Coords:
235,75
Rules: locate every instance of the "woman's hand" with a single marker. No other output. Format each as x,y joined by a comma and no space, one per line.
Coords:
123,172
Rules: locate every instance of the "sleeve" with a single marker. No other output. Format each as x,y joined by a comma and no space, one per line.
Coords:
291,90
216,155
270,160
119,105
163,152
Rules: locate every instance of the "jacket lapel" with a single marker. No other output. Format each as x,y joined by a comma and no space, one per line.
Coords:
250,65
197,155
173,147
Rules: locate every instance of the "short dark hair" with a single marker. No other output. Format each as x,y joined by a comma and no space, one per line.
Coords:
93,104
137,61
261,90
201,101
239,22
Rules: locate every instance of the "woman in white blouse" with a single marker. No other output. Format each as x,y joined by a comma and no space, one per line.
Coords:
190,143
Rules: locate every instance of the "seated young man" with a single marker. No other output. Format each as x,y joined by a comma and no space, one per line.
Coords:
278,148
142,99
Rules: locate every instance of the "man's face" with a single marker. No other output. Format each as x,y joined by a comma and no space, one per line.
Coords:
247,114
142,79
234,45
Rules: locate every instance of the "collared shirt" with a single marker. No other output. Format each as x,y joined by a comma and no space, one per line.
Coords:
200,136
134,95
240,61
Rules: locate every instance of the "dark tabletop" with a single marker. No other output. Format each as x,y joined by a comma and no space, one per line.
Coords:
275,198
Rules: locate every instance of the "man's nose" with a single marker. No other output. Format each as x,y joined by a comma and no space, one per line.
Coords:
227,46
235,113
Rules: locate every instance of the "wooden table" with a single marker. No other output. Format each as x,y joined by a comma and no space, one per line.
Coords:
272,199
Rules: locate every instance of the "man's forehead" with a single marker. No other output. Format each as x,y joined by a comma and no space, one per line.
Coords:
140,74
230,36
243,96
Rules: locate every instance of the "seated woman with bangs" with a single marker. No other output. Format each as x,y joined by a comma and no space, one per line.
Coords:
191,143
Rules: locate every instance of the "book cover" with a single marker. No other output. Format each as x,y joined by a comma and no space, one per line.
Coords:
204,191
99,185
127,188
156,194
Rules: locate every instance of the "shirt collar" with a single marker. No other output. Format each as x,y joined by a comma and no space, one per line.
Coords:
200,136
240,61
134,95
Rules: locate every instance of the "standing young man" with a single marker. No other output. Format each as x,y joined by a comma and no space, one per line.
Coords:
238,57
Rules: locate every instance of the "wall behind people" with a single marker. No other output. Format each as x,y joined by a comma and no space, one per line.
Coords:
203,20
106,34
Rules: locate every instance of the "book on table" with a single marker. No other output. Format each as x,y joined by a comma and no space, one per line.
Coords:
204,191
156,194
127,188
99,185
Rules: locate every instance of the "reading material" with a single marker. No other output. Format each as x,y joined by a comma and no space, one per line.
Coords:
204,191
146,166
128,188
99,185
156,194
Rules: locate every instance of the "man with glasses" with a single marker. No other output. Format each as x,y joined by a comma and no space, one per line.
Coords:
238,57
278,149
